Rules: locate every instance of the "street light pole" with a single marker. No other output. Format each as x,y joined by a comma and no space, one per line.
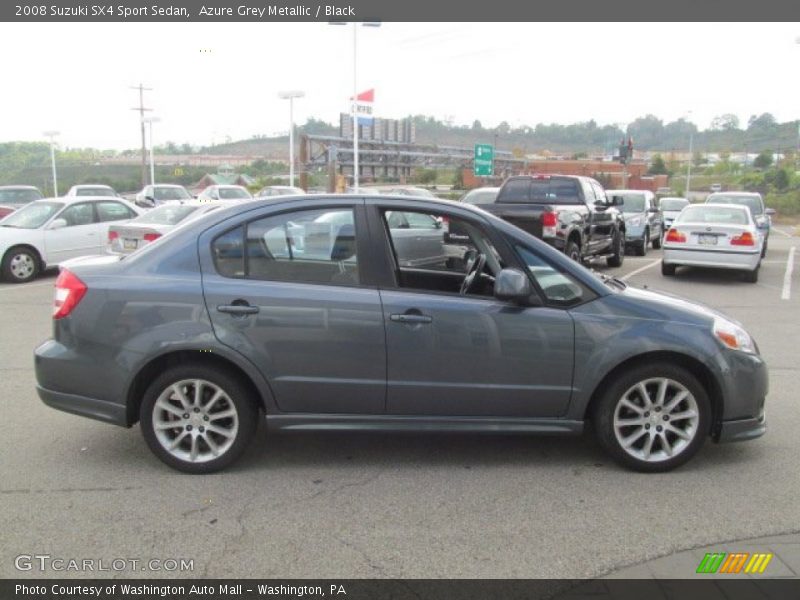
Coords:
290,96
150,121
52,135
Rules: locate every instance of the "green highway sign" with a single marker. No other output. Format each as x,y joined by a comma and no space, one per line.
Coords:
483,165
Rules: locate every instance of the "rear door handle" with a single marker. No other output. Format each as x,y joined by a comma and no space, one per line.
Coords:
237,309
410,318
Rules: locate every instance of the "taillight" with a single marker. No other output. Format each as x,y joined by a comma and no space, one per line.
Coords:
745,239
151,237
549,219
673,235
69,291
112,235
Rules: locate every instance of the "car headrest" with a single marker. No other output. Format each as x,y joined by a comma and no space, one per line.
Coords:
345,245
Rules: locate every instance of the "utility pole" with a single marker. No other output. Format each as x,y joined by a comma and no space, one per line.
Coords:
142,110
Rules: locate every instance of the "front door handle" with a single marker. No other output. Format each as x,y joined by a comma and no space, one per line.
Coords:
237,309
411,318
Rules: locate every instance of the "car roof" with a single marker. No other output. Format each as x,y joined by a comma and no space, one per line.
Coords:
726,205
91,185
742,194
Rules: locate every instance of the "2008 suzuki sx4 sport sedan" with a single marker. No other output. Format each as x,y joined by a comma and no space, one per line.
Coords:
387,314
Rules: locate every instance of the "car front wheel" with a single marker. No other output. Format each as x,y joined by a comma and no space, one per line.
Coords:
198,419
20,265
653,418
615,260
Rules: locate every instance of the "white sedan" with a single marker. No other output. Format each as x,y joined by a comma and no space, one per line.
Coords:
234,193
720,236
48,232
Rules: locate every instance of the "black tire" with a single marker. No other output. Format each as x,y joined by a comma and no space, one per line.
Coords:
616,259
667,270
752,276
764,249
573,251
698,430
238,397
15,258
657,240
642,250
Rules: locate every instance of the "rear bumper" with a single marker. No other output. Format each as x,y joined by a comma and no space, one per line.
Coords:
743,261
101,410
742,429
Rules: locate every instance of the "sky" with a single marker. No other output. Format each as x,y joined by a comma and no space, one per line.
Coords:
213,81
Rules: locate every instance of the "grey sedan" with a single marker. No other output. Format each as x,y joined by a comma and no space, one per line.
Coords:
202,333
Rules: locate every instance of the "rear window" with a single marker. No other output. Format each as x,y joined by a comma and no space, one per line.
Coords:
19,197
170,214
95,191
754,203
672,203
710,213
547,190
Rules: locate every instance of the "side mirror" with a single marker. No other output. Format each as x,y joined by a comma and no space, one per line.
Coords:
653,209
616,201
770,212
58,224
438,222
512,285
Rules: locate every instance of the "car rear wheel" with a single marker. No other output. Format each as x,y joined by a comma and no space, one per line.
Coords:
20,264
642,250
657,240
615,260
573,251
667,270
653,418
752,276
198,419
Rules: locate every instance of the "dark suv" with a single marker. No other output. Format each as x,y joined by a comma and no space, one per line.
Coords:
568,212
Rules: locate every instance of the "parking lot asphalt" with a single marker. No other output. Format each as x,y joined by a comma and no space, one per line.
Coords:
356,506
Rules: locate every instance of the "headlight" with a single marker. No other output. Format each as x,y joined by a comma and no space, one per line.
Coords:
732,336
634,221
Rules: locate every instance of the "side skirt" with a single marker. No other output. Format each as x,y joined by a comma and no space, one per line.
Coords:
421,424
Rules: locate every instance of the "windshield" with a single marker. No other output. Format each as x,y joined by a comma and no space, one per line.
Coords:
32,216
631,203
171,193
480,197
709,213
233,193
752,202
169,214
95,191
673,203
18,197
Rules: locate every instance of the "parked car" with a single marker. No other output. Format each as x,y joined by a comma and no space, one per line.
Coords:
752,200
664,191
47,232
14,196
643,221
670,208
224,192
482,195
279,190
128,237
568,212
91,189
711,235
155,195
197,340
715,187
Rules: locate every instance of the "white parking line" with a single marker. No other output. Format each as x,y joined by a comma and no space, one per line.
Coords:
782,232
787,277
640,269
5,288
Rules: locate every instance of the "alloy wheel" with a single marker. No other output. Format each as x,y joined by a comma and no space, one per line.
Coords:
195,421
656,419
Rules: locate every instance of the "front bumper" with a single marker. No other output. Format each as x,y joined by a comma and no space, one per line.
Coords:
742,429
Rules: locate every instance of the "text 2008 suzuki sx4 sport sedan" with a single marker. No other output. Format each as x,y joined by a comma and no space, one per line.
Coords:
387,314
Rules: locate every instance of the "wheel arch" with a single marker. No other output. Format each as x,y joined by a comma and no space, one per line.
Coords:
149,371
690,363
27,246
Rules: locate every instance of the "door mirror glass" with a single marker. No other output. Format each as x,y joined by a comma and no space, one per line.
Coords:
58,224
512,285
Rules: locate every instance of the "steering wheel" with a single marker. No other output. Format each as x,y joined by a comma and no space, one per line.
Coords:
474,268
